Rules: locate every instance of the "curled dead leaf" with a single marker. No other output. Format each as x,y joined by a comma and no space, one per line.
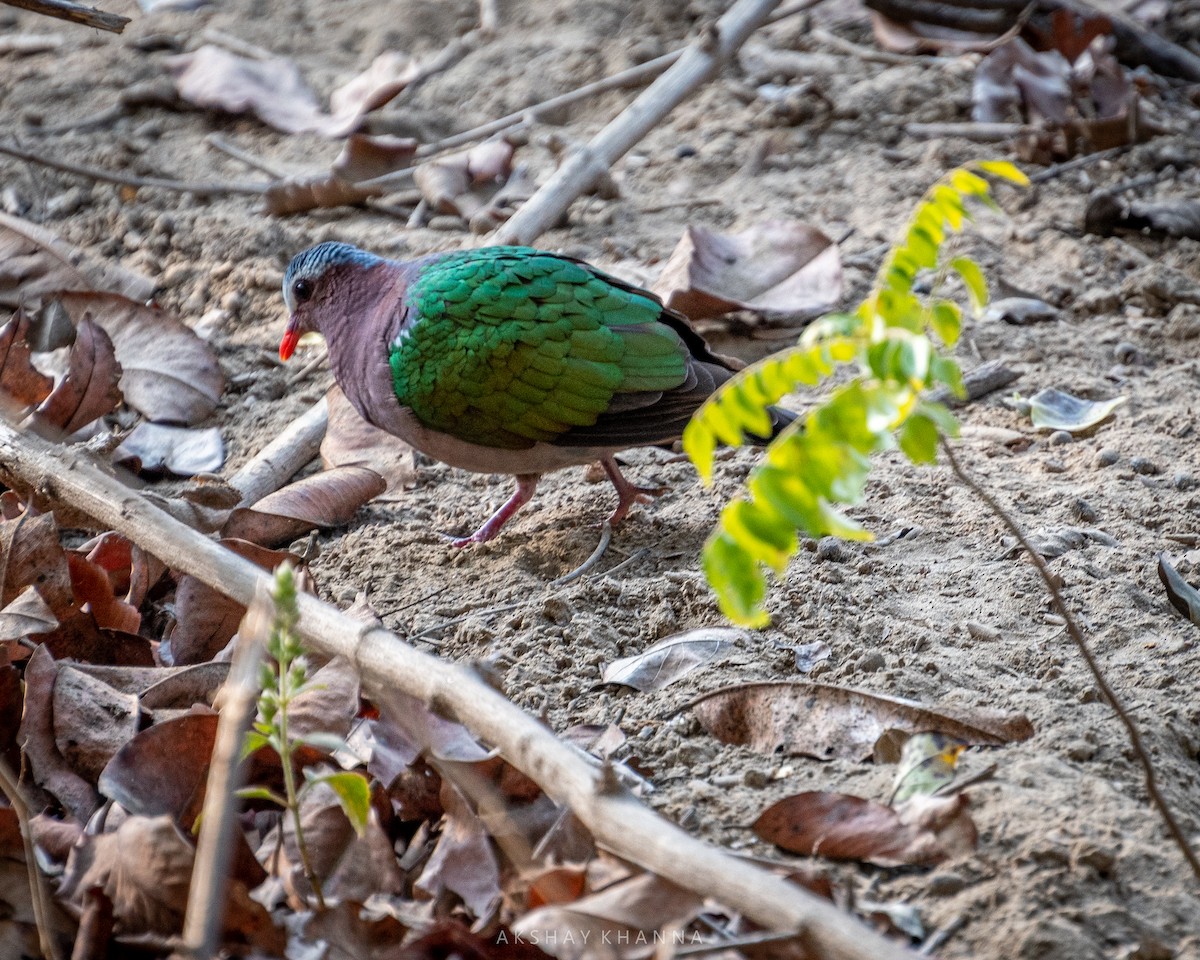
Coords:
825,721
671,658
31,554
26,614
462,183
184,451
34,261
777,267
20,382
168,373
89,389
326,499
838,826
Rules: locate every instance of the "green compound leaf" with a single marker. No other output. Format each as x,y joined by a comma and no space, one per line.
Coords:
972,277
353,795
819,465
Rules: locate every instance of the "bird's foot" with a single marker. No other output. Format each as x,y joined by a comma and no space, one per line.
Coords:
628,494
526,484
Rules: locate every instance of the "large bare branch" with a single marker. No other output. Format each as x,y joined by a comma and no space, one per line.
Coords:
615,817
75,12
583,167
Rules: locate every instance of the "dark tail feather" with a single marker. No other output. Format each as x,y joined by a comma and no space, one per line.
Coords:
780,418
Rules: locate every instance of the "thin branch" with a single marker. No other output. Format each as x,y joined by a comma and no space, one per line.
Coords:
283,457
699,64
75,12
219,143
207,894
579,571
37,884
1076,634
128,180
614,816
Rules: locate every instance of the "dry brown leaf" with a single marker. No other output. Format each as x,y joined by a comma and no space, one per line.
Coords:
184,451
163,769
19,380
825,721
11,704
36,736
463,183
671,658
78,638
916,37
132,571
349,440
168,373
1015,75
30,553
206,620
273,90
922,830
365,157
93,590
144,867
362,158
616,915
27,614
463,861
409,728
330,703
777,267
92,719
34,262
326,499
90,388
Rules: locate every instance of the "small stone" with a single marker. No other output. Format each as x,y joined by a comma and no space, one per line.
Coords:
211,323
66,203
1080,751
133,240
1054,466
981,631
831,549
1183,481
178,273
873,662
684,150
1107,457
945,884
756,779
1060,437
1144,466
233,301
1125,352
1083,511
164,224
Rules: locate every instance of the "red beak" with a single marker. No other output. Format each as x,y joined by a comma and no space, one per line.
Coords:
291,336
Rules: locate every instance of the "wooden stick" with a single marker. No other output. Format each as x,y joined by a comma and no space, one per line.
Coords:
38,894
986,378
75,12
614,816
207,897
128,180
283,457
979,132
699,63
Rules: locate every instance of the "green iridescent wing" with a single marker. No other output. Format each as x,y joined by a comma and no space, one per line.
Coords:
507,346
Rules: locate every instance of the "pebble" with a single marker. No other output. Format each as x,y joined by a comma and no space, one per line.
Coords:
684,150
1144,466
1183,481
1107,457
873,662
1083,511
1054,466
756,779
1059,437
233,301
981,631
1080,751
831,549
945,884
1101,859
66,203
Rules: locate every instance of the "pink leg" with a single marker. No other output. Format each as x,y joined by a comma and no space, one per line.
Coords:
626,491
526,484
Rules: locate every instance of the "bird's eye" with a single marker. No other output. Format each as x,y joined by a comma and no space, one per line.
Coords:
302,289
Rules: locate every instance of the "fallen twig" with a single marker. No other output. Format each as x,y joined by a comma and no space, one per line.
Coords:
577,174
75,12
615,817
1067,165
579,571
1076,634
218,142
978,132
37,884
205,915
128,180
283,457
986,378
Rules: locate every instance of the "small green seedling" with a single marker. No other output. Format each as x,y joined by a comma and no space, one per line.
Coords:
282,682
822,460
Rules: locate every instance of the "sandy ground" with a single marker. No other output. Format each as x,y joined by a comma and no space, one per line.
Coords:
1072,861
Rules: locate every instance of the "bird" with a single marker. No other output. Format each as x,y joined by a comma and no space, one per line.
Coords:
505,359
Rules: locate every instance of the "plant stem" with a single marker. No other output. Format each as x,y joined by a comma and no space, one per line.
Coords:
1076,634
